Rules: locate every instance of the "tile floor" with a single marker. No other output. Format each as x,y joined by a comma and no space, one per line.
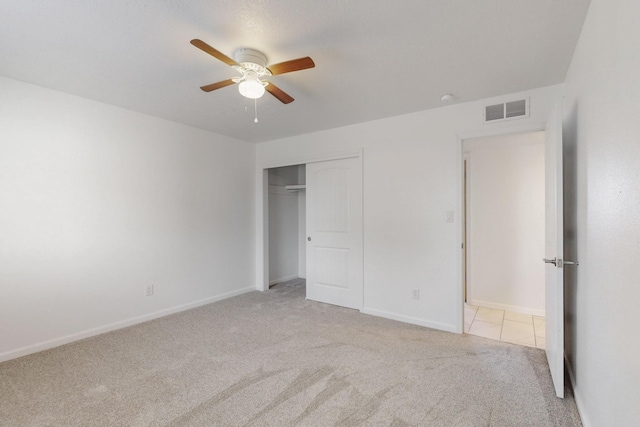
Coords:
516,328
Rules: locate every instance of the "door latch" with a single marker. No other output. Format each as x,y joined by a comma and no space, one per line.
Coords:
558,262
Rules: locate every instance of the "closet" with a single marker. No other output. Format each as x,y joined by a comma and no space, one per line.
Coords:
287,223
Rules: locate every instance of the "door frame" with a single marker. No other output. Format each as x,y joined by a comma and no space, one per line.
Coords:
262,207
464,211
461,137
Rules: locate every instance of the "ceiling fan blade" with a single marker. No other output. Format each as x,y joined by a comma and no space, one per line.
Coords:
214,86
213,52
293,65
278,93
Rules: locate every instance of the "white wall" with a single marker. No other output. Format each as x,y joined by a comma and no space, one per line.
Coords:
602,212
283,225
97,202
412,176
505,226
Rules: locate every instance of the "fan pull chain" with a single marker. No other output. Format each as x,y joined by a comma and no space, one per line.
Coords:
255,103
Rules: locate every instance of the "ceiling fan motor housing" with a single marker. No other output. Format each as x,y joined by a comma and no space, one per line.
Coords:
251,59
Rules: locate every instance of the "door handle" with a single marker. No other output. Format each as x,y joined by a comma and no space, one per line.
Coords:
309,238
559,262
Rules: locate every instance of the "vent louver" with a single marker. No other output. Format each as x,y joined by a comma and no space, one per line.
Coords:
507,110
494,112
515,108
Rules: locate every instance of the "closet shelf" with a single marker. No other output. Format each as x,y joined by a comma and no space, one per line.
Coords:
296,187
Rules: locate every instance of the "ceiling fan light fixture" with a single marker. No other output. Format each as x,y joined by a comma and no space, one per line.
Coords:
251,87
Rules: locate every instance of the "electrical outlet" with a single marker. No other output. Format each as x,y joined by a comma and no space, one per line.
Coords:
415,293
148,291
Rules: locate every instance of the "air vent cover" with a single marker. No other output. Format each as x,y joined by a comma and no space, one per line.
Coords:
507,110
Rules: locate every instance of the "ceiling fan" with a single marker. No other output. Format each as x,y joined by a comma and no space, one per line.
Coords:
252,65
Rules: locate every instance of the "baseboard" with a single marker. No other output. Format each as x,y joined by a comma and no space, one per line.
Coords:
35,348
507,307
283,279
408,319
576,394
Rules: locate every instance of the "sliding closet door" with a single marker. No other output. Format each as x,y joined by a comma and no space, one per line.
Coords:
334,232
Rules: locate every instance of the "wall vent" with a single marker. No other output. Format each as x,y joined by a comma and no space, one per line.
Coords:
507,110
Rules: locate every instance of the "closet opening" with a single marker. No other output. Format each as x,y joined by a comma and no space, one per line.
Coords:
286,224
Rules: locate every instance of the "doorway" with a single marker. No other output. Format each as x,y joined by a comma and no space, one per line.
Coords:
503,237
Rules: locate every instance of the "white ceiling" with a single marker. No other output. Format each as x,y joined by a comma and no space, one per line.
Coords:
374,58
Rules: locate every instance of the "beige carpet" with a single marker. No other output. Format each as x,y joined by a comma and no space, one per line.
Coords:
274,359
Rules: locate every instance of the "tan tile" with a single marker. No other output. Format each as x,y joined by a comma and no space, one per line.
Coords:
517,332
489,315
539,324
485,329
469,313
541,342
518,317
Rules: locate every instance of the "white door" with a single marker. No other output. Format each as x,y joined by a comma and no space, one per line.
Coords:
334,232
554,227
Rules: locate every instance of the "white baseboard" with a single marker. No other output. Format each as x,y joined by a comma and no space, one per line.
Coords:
576,394
283,279
34,348
507,307
409,319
